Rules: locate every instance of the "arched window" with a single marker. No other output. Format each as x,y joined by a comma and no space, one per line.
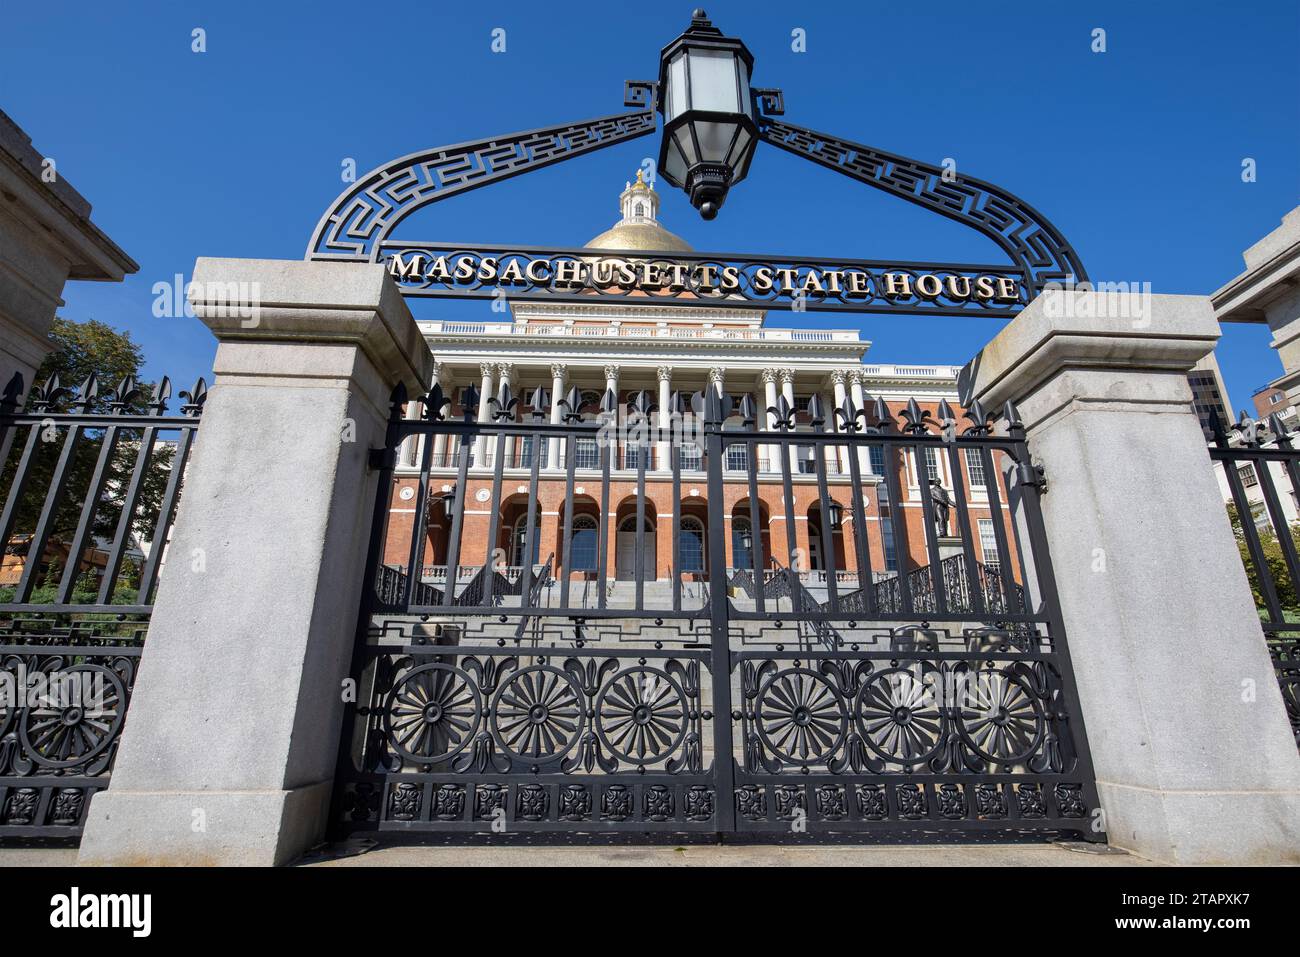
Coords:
519,538
582,557
742,541
691,544
638,210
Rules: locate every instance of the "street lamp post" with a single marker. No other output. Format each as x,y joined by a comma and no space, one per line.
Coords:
709,130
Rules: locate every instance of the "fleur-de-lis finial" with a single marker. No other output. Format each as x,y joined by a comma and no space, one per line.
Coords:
435,403
45,396
161,394
126,393
782,412
848,414
916,419
643,403
504,403
572,405
981,422
89,391
194,398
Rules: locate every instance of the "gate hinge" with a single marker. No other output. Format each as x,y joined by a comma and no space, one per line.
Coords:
382,458
1034,476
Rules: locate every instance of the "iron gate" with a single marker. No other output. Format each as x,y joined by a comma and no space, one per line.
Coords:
90,480
895,666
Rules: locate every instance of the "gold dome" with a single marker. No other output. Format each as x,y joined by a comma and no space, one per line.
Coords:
639,228
647,236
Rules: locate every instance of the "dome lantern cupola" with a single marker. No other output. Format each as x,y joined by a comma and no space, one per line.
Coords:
639,228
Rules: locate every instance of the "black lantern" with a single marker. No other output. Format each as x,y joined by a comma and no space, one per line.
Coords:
708,111
836,511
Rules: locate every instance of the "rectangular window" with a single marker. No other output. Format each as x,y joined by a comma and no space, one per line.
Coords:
586,454
737,458
632,456
931,463
1248,477
876,460
887,536
975,468
806,458
989,544
691,458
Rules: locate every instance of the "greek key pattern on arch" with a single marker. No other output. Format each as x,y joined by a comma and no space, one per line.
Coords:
1033,243
366,213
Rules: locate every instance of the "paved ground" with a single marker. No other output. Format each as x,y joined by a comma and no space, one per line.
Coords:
992,855
1007,855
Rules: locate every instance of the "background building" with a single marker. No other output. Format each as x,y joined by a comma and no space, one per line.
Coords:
628,349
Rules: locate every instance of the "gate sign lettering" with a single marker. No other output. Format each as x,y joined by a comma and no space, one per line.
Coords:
358,228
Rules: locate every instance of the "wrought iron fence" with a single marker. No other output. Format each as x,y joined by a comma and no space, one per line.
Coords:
939,699
90,485
1260,469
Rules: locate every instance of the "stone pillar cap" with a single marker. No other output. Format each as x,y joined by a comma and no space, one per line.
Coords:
273,300
1092,330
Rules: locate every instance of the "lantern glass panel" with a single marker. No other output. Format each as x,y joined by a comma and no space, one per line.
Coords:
686,145
676,102
738,150
714,138
674,164
713,81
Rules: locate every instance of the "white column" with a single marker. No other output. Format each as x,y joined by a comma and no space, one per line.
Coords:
505,376
1195,761
787,390
837,384
611,384
235,721
665,375
486,369
440,440
555,455
859,402
769,401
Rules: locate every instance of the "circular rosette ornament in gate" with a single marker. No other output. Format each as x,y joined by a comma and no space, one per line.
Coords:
77,719
899,717
641,715
432,713
537,714
801,717
1000,718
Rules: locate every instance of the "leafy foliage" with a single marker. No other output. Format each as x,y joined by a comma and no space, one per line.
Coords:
1274,560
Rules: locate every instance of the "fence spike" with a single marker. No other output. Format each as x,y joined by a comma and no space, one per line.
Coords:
13,390
539,401
748,411
161,393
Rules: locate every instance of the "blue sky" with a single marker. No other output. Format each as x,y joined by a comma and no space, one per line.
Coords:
1135,154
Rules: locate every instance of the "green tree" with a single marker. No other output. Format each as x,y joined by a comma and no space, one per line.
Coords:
81,350
1274,560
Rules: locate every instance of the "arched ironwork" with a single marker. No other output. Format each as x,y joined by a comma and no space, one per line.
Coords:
358,225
